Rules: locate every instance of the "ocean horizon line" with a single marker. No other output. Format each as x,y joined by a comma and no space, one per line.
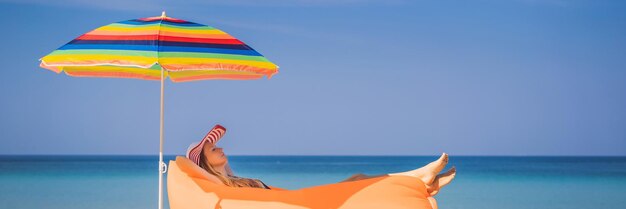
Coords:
301,155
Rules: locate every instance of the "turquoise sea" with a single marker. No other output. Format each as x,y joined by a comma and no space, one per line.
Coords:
73,182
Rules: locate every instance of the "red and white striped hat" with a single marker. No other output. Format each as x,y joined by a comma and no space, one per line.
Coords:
194,150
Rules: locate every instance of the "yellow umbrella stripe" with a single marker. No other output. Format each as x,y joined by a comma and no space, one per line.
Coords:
161,28
106,52
162,55
99,58
212,55
130,26
148,61
114,71
199,61
149,71
194,75
209,72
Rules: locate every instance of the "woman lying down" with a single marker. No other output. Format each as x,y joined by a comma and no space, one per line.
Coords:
212,159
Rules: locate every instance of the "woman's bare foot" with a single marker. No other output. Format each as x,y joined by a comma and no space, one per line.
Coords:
429,172
440,181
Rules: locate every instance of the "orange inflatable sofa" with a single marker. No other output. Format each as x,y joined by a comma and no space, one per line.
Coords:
189,187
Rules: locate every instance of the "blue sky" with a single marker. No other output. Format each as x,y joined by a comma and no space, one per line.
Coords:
357,77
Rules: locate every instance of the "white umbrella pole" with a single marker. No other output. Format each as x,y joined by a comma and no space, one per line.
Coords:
162,165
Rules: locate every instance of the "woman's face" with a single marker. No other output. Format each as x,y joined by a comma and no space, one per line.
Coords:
215,155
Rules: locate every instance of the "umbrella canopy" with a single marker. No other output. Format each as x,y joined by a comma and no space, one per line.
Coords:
155,48
140,48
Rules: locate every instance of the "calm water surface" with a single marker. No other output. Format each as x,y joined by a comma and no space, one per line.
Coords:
73,182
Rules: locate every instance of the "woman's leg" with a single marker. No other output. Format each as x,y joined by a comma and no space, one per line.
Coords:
359,176
429,172
440,181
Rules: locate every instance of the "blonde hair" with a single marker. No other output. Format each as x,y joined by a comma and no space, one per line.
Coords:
232,181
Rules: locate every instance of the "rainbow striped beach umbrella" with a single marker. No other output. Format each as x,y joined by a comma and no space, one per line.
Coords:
155,48
142,48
